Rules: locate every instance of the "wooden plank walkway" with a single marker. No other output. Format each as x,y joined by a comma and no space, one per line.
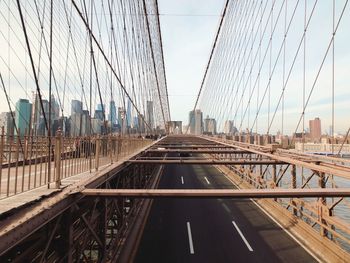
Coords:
22,199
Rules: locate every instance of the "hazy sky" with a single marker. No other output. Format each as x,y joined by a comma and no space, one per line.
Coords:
188,30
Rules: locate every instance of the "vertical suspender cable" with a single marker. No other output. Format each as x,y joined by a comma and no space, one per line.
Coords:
32,61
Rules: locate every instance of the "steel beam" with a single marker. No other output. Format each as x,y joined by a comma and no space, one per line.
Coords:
222,151
317,166
209,162
193,146
219,193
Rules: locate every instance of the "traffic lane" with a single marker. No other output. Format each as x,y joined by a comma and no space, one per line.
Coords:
215,238
255,224
213,225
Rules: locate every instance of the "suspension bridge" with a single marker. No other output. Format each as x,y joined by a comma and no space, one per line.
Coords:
94,168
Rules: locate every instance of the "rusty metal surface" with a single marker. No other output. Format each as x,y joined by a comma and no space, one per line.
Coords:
22,223
209,162
188,150
219,193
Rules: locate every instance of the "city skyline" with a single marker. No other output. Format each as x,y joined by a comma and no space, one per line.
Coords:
28,117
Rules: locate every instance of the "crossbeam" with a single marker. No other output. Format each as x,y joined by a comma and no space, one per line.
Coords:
199,146
219,193
209,162
222,151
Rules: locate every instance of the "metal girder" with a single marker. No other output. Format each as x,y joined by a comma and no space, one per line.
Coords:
193,146
222,151
318,166
219,193
208,162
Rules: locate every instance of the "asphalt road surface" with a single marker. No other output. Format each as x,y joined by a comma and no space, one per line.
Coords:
212,230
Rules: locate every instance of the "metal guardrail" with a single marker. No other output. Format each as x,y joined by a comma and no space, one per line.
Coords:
26,163
328,216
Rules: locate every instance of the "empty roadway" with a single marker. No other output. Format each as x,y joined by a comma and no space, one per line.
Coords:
211,230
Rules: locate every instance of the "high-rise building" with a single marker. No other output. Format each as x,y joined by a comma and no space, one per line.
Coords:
23,116
229,127
196,122
149,114
128,114
101,107
96,126
136,122
141,123
315,129
75,124
99,114
6,121
209,125
85,123
112,117
38,119
77,107
122,120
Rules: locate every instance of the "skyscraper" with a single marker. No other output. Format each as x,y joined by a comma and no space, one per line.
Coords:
99,115
191,122
228,128
196,122
149,114
122,119
77,107
128,114
209,125
112,117
101,107
315,128
6,121
23,116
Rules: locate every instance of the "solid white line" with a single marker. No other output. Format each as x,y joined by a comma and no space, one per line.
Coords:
206,179
274,220
242,236
190,237
182,180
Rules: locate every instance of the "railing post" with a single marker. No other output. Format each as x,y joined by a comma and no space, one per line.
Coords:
274,177
18,141
110,148
58,150
97,155
2,140
322,204
294,185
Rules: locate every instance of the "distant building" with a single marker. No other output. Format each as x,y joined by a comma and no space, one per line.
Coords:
112,117
77,107
128,114
175,127
38,115
23,116
96,126
149,114
196,122
85,123
75,124
141,123
315,129
101,107
6,121
122,120
229,128
209,126
99,114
